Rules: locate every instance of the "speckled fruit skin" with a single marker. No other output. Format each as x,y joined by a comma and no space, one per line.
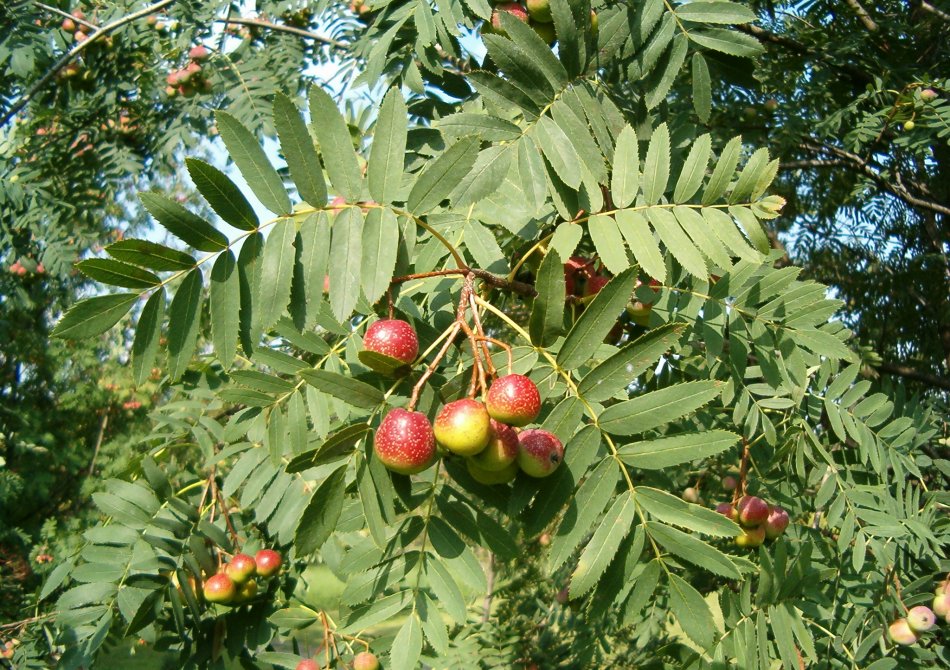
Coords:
268,562
502,449
751,537
365,660
308,664
539,452
463,427
404,442
901,633
776,523
514,9
394,338
241,568
219,589
753,511
513,399
491,477
921,618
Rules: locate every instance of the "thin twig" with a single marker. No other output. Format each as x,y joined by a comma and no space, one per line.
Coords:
55,10
75,51
417,389
102,432
281,28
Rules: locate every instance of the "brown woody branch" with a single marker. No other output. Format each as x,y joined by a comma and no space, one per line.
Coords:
862,15
908,372
94,36
927,7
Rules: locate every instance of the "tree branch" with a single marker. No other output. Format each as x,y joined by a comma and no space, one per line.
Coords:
281,28
927,7
917,375
863,15
54,10
95,35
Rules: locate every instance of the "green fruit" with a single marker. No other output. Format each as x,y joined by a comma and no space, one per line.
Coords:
502,449
247,592
751,537
219,589
540,10
545,31
909,125
241,568
491,477
463,427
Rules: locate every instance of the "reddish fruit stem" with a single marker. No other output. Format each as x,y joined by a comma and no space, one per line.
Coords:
743,469
480,331
417,389
227,515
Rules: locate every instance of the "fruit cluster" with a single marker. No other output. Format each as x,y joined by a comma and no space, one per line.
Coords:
235,585
536,13
189,80
484,433
365,660
75,25
907,629
759,520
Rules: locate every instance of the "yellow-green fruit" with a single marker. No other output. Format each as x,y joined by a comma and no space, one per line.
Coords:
490,477
594,23
909,125
463,427
502,449
545,31
540,10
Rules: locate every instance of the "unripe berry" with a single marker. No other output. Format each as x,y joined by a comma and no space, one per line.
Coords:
241,568
502,449
921,618
463,427
246,592
776,523
219,589
729,483
405,442
513,399
690,494
928,95
540,10
751,537
901,633
491,477
909,125
753,511
941,605
268,562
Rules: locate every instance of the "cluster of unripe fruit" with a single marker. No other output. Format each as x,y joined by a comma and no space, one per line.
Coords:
759,520
75,25
920,619
585,277
484,433
190,79
235,585
365,660
536,13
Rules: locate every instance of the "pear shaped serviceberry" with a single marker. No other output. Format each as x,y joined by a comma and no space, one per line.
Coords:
753,511
404,442
540,10
219,588
241,568
463,427
394,343
921,618
776,523
901,633
268,562
502,449
751,537
365,660
491,477
539,452
513,399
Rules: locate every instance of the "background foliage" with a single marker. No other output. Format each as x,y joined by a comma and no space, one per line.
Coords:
620,146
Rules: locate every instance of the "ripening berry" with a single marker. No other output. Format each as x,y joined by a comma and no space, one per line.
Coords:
921,618
539,452
513,399
901,633
463,427
405,442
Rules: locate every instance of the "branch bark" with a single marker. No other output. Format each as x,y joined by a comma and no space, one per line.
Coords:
94,36
281,28
908,372
862,15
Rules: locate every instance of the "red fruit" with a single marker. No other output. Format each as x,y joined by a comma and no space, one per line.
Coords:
78,14
199,53
365,660
690,494
928,95
502,449
539,452
753,511
174,78
901,633
751,537
219,589
241,568
544,540
268,562
729,483
393,338
595,284
80,36
727,510
776,523
69,26
463,427
308,664
404,442
514,9
513,399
